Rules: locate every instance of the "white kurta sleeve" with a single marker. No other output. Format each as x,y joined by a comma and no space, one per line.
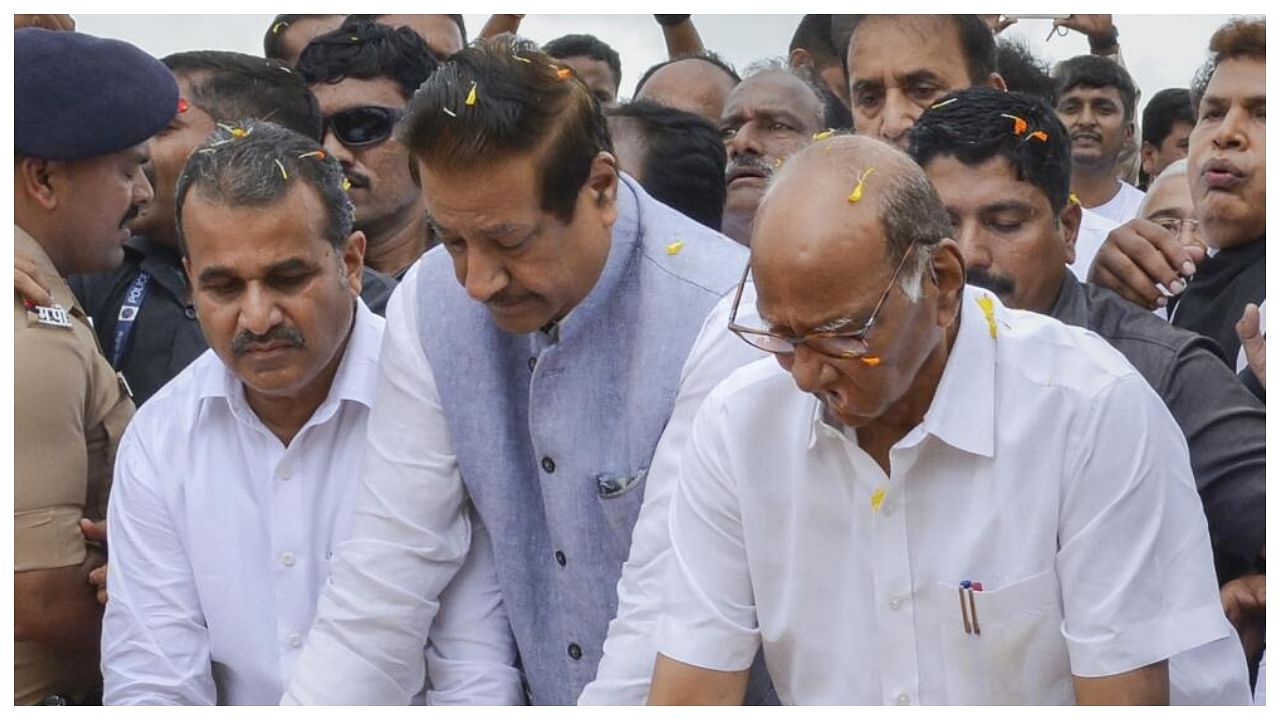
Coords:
409,536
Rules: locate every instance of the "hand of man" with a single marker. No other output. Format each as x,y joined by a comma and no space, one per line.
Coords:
1138,256
96,533
27,281
1090,25
1245,602
48,22
1249,330
998,23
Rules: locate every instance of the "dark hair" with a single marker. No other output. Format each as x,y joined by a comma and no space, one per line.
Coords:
583,45
272,41
814,34
976,42
1096,72
367,50
1240,37
911,211
457,20
1023,71
705,56
684,158
521,104
231,86
1165,109
980,123
255,164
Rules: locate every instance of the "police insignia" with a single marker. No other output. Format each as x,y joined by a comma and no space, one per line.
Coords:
53,316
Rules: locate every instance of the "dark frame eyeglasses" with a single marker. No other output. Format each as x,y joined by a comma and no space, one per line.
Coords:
838,345
363,126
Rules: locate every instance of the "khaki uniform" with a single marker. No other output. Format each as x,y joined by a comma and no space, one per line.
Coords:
70,410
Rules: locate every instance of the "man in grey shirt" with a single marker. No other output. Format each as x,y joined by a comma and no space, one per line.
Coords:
1002,165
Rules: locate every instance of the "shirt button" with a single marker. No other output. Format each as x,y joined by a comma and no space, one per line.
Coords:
575,652
895,603
904,699
295,640
190,312
287,559
532,362
560,558
548,464
284,472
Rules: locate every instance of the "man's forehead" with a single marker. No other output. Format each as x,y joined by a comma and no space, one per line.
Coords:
893,43
1238,77
355,92
775,89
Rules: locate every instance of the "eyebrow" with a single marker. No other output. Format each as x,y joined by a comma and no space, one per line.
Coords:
1166,212
221,272
916,76
1007,206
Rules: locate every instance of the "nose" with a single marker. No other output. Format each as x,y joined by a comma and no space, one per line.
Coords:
143,192
483,275
339,151
258,310
1230,132
975,247
900,115
745,140
810,370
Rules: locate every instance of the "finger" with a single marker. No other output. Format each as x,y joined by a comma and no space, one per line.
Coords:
98,576
64,22
1157,252
31,290
1119,274
1249,330
94,531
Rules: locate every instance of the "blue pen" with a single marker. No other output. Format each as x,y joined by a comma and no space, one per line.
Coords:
964,611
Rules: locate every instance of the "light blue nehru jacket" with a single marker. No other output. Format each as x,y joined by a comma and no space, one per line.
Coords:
554,438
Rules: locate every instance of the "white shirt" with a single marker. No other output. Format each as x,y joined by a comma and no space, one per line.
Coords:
1123,206
1045,468
1094,228
221,539
412,481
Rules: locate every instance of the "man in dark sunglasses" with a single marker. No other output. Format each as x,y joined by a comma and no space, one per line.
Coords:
363,74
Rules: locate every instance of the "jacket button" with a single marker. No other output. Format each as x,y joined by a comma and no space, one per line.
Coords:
190,312
575,652
560,558
548,464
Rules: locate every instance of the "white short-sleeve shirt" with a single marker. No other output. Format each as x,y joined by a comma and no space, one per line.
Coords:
1045,469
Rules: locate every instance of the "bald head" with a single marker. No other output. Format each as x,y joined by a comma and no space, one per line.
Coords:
864,198
692,84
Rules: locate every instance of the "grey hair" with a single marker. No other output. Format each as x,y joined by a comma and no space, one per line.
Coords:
254,163
804,73
911,211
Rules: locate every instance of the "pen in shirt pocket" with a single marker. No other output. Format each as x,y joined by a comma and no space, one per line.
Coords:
969,608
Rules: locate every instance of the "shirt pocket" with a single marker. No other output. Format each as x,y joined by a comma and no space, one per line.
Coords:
620,497
1017,656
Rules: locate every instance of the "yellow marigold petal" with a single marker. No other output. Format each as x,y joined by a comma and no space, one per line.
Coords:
989,312
675,247
471,96
283,173
870,360
856,195
877,499
823,135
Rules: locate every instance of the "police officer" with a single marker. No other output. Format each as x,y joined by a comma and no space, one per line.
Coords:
84,108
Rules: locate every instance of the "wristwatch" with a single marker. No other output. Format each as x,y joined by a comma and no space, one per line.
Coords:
670,20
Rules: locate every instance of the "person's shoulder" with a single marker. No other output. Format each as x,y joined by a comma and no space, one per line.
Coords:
175,406
760,384
1131,328
686,250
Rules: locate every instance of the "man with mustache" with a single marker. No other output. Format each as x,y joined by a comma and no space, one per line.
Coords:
236,481
363,74
1227,169
772,113
80,143
1006,194
1096,100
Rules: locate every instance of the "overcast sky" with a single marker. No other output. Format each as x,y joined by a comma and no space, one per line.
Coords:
1160,51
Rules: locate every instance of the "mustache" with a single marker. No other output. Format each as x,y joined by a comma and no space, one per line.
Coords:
745,162
134,211
1086,134
357,179
1001,285
246,340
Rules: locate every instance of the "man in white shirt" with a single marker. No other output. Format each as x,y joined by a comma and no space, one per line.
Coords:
238,480
962,504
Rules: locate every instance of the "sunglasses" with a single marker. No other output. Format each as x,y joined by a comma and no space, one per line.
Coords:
363,126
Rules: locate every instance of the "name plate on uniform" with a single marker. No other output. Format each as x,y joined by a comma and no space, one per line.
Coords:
54,316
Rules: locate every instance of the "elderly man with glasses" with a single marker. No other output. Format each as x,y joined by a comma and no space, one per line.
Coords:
363,75
928,498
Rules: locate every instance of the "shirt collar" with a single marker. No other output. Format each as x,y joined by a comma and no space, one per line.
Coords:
355,380
58,288
1070,306
962,413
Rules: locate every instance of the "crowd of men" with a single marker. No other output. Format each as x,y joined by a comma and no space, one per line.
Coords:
398,367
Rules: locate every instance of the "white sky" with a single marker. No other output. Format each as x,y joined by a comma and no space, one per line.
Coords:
1160,50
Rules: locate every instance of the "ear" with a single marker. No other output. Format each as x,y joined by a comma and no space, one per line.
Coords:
34,177
602,186
1148,154
799,58
948,272
186,266
995,80
353,261
1069,222
1128,132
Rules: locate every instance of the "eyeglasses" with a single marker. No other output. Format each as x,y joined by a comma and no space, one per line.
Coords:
1187,230
838,345
363,126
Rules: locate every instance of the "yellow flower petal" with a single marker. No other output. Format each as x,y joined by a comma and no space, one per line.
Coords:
346,184
870,360
856,195
877,499
675,247
1074,198
823,135
471,96
280,165
989,312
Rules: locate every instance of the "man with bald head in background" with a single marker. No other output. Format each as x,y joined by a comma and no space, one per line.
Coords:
898,391
899,65
699,84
